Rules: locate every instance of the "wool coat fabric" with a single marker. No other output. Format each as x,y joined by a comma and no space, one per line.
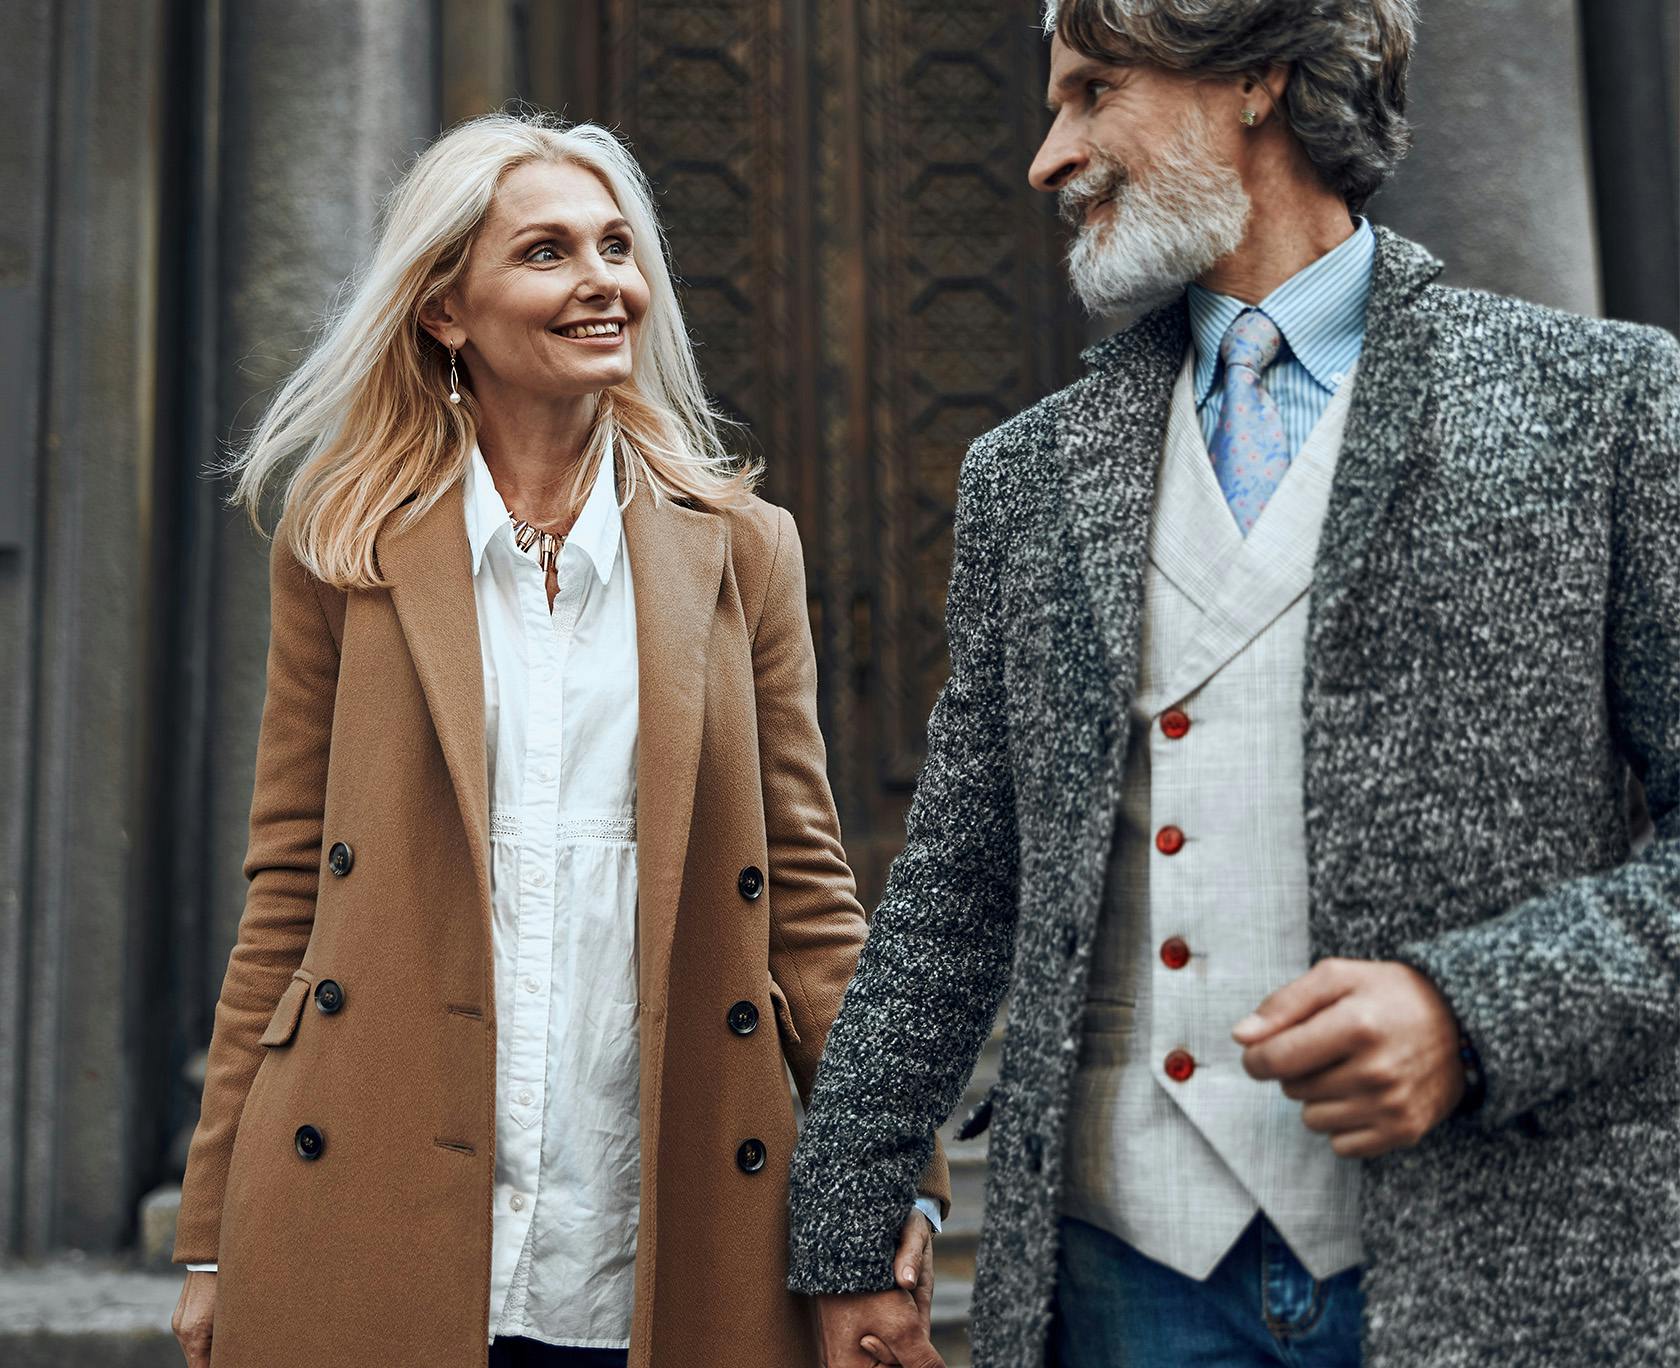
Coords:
1493,640
376,1252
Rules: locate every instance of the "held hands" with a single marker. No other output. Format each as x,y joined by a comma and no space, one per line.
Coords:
1370,1047
193,1316
862,1329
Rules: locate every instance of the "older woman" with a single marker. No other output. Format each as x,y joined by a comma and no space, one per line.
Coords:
546,881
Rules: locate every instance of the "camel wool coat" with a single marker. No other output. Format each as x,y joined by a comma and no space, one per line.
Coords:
369,869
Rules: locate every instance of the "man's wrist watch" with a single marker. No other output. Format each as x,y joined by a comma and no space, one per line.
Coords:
1475,1081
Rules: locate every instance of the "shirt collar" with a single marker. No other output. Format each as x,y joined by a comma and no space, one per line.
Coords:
1320,310
597,532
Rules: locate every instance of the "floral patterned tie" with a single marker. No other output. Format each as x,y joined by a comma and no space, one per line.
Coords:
1250,453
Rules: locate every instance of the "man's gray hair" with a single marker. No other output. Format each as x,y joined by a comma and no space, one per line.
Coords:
1346,98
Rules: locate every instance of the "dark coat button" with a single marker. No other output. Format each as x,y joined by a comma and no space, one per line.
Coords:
1175,954
750,1156
310,1142
751,882
340,858
743,1018
329,997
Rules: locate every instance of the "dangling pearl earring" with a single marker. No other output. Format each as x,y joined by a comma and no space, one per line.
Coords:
454,383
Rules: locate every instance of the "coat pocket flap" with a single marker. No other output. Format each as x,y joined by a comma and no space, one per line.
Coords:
283,1024
784,1013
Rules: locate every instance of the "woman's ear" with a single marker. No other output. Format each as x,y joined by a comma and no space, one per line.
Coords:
436,319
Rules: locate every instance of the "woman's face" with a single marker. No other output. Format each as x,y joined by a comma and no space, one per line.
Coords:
551,296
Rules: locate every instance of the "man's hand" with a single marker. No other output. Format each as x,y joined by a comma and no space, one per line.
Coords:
862,1329
1370,1047
194,1313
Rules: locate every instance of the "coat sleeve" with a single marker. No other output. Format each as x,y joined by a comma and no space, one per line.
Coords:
816,923
937,960
1569,986
283,865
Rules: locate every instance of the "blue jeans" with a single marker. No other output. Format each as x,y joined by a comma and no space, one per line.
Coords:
516,1352
1117,1309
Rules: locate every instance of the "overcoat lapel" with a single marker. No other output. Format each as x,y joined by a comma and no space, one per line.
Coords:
429,566
1393,414
1110,434
676,558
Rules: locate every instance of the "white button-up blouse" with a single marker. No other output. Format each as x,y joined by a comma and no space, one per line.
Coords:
560,719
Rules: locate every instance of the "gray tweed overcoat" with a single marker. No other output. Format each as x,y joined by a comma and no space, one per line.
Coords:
1494,639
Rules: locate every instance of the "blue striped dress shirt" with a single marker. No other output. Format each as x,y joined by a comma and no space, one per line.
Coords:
1320,310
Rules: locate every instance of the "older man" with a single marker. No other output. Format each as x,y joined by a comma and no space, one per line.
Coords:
1299,656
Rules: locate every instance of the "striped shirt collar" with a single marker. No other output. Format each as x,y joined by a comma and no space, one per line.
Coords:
597,532
1320,310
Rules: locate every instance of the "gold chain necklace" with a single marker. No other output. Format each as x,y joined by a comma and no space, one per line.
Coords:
548,544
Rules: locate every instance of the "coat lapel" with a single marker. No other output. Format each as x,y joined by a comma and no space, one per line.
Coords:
429,566
676,558
1395,407
1110,436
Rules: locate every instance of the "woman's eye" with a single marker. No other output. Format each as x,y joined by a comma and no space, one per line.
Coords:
552,254
620,245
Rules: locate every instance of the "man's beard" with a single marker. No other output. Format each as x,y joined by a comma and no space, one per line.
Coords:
1167,226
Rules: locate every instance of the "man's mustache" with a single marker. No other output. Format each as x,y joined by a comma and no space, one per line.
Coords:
1080,196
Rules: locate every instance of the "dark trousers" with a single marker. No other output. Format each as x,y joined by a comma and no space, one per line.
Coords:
513,1351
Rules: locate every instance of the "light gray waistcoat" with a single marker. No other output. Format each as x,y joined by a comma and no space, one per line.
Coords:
1179,1168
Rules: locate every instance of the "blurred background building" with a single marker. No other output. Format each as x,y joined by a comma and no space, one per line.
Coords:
871,282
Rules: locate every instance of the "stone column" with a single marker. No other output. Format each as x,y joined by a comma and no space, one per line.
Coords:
1498,184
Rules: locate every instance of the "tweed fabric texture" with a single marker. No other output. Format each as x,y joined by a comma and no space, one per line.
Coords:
1179,1168
1494,639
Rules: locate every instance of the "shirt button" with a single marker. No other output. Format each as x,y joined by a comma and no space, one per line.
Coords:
516,1202
1174,723
1169,840
1175,954
529,984
539,877
545,774
1180,1066
524,1097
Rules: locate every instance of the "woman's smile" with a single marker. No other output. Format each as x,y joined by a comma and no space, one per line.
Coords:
603,334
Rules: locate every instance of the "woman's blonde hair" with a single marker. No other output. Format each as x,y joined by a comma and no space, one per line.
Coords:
368,408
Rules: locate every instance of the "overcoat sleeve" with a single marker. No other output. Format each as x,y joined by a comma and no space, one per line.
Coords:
937,960
283,865
816,923
1575,983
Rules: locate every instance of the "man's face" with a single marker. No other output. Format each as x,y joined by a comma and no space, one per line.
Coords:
1145,173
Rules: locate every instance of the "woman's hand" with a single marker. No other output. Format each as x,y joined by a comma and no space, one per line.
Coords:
193,1315
862,1329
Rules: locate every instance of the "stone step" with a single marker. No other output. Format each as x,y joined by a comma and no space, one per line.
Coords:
82,1313
951,1298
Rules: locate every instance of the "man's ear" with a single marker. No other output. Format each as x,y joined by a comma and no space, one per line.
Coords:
1265,89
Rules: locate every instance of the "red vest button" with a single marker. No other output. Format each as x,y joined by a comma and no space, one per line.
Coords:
1174,723
1175,954
1180,1066
1169,840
